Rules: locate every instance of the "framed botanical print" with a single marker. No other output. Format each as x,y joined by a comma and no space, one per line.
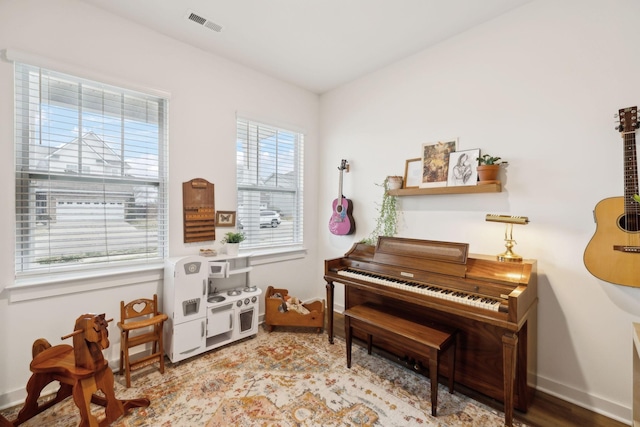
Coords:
435,163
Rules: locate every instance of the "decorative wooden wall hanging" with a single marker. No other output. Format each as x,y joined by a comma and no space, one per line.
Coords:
199,210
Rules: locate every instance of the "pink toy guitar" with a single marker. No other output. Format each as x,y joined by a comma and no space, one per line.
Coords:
341,222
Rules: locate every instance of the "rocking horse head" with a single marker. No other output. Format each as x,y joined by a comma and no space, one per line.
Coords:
90,337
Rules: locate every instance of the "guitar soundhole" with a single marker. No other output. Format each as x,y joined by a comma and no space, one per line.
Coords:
629,223
339,209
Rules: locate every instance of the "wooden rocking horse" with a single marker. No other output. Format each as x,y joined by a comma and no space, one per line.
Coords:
81,371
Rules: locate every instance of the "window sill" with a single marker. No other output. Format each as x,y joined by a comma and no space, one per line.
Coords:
26,289
272,255
31,288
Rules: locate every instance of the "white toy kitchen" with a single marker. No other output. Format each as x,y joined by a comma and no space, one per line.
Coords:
210,303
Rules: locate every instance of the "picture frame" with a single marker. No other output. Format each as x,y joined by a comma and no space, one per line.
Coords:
225,218
435,162
463,168
412,173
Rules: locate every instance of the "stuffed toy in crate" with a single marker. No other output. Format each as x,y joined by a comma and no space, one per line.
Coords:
281,309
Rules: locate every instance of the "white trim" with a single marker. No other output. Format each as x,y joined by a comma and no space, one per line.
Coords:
277,255
584,399
84,281
13,55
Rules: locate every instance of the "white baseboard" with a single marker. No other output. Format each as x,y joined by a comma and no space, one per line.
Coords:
17,397
585,400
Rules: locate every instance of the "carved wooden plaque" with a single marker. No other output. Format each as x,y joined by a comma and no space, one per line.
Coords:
199,210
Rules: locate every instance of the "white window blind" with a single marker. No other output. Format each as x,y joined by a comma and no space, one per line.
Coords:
91,173
270,185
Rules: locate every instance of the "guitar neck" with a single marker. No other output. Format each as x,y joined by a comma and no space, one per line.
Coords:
630,171
341,168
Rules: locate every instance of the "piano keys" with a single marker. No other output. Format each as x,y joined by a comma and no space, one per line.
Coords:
460,297
493,305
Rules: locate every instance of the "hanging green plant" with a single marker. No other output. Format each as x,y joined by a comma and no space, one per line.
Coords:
387,221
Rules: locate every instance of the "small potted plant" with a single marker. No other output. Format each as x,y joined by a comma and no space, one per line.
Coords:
488,168
232,242
394,182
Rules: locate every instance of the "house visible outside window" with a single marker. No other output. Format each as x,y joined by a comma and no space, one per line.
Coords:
270,185
90,174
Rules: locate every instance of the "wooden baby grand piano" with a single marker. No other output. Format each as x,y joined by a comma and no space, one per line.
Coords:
492,304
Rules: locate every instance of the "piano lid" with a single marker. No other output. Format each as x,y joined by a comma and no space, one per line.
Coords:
430,255
424,249
446,258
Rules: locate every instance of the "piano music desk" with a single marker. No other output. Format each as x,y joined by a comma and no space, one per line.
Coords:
417,338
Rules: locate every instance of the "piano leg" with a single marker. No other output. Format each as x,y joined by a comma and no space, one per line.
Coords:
452,364
509,350
348,338
330,287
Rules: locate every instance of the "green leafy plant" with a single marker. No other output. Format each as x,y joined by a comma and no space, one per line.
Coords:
489,160
387,222
232,237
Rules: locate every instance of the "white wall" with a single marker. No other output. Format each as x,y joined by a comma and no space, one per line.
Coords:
538,87
206,92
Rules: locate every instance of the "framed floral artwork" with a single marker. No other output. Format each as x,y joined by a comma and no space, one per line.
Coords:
435,163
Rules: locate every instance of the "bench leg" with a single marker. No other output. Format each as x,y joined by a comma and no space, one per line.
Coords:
452,364
369,343
348,338
433,377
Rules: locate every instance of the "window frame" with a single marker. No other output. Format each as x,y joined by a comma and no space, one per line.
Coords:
248,154
24,175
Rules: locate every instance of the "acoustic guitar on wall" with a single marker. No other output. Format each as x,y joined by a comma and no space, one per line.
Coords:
613,253
341,222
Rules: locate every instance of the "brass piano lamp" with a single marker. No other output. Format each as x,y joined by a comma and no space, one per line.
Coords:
508,255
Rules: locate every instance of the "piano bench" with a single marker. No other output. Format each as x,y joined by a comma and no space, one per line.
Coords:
419,338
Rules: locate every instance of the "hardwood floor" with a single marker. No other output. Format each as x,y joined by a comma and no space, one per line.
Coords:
545,410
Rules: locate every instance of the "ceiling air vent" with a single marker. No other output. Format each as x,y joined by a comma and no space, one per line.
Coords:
204,22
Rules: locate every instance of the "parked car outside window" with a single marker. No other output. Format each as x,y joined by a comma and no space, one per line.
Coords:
269,219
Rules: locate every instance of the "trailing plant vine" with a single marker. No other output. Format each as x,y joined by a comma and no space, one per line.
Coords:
387,221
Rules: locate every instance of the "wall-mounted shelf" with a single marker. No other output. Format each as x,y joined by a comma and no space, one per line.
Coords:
495,187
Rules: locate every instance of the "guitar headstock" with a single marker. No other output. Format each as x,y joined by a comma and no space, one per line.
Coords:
628,119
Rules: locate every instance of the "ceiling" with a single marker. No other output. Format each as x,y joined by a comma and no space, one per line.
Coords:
314,44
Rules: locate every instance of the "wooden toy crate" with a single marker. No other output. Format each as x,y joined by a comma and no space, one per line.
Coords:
273,317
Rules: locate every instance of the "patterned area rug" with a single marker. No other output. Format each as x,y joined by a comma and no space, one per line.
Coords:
289,377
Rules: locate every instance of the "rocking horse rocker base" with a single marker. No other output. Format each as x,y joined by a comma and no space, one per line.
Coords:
81,371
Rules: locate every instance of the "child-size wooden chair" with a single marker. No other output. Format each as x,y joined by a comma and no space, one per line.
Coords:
140,323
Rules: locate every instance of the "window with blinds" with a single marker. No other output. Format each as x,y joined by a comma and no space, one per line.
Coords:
90,174
270,185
